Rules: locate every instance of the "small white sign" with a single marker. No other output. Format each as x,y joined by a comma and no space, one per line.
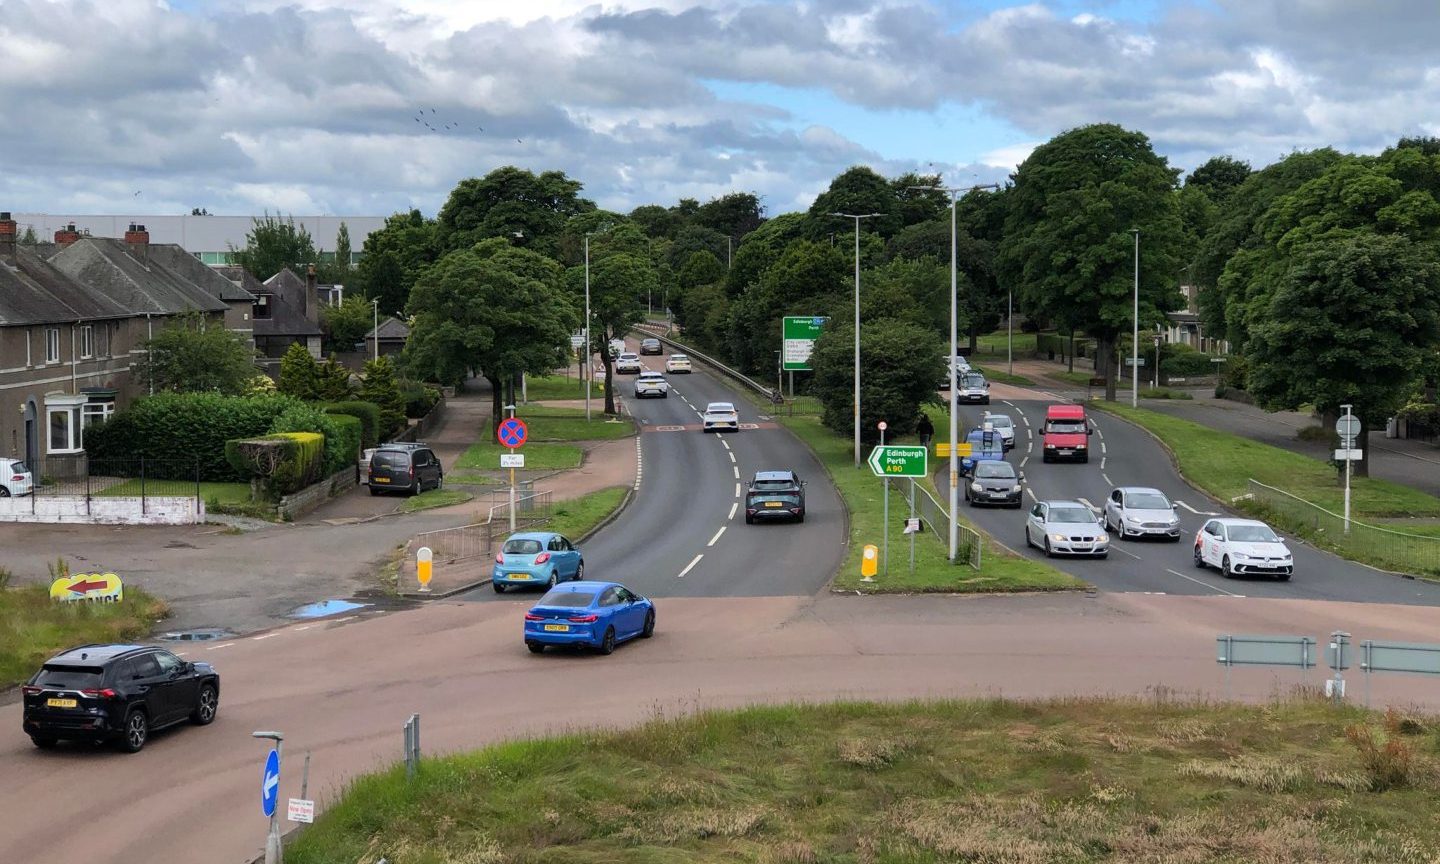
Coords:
577,341
912,526
300,810
1134,361
512,460
1348,455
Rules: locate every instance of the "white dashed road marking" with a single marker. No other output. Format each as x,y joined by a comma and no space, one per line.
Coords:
1193,510
1106,478
1031,493
1025,419
690,566
304,627
1023,461
1203,582
1102,463
1087,503
732,456
736,469
737,490
266,636
1115,548
218,647
733,507
717,535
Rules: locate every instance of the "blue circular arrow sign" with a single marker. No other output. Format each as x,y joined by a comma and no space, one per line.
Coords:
270,784
512,432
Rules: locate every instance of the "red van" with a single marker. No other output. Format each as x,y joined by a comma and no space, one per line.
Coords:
1067,433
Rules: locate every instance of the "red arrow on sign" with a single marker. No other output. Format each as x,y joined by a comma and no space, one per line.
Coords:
82,587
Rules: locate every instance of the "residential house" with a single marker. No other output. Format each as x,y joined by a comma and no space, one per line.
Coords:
287,310
74,319
392,335
1185,327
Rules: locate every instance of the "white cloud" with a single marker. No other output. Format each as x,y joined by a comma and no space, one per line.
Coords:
1009,157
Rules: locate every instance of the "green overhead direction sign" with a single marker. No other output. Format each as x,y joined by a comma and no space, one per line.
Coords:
799,333
899,462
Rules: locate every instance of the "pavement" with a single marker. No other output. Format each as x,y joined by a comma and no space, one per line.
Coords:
341,691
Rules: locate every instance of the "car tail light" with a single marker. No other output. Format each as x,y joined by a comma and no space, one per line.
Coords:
29,690
542,557
105,693
584,619
529,616
500,558
18,477
795,510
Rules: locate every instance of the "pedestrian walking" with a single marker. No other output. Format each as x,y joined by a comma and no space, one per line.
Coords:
925,429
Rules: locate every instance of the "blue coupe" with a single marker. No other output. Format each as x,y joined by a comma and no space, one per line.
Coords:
536,558
597,615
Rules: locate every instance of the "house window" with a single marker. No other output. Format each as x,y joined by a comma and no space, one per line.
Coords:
262,307
65,431
97,412
102,341
52,345
87,341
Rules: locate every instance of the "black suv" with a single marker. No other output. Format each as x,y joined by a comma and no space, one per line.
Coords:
116,693
775,495
410,468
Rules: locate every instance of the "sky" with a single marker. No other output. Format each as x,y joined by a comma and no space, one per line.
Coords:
368,107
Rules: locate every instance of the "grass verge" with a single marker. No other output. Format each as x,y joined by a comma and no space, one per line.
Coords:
473,478
434,498
994,344
575,517
993,374
546,423
485,455
539,388
1078,780
222,493
864,498
1220,463
33,627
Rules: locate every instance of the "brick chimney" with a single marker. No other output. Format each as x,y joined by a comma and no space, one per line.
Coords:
312,296
67,235
137,241
7,238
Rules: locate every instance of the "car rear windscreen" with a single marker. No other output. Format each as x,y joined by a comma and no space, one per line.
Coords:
521,547
390,459
568,599
68,677
783,497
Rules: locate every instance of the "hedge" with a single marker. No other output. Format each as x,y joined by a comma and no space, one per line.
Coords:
308,463
418,398
270,462
1178,360
189,427
368,413
346,447
307,417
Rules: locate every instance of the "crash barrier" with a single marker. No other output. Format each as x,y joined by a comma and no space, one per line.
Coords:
1415,554
769,393
1302,652
937,519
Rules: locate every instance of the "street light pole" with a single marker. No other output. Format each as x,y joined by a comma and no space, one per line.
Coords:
375,330
1135,331
857,218
585,330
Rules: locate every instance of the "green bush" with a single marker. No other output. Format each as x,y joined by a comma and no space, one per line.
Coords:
382,389
419,398
308,463
309,418
346,451
1233,372
1423,418
368,413
178,430
1181,361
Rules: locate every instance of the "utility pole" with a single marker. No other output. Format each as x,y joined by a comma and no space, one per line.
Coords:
857,218
586,330
1135,331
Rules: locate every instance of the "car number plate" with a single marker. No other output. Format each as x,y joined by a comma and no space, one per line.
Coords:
998,494
518,576
557,628
380,479
774,504
1066,453
60,703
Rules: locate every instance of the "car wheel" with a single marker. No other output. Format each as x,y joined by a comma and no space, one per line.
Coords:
607,644
207,706
4,492
749,520
1085,458
649,629
579,571
535,647
499,588
440,482
554,579
40,741
1048,553
137,731
414,488
1199,561
1225,567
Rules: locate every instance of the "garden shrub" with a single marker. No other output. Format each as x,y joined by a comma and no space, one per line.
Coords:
346,450
368,413
1178,360
419,398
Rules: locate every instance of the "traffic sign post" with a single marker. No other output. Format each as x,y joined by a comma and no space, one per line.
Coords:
799,333
1348,427
512,433
885,558
902,460
270,796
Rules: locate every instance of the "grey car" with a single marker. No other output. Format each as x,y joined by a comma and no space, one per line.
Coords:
994,482
1066,528
1139,511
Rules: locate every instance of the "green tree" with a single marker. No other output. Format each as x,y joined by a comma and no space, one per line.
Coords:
697,238
299,373
28,237
807,278
761,249
1220,176
859,190
527,209
617,285
339,271
733,215
917,200
332,381
900,364
380,387
1354,320
197,355
701,268
1068,248
655,221
394,257
346,324
273,244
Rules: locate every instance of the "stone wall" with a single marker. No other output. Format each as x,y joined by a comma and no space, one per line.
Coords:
292,507
104,510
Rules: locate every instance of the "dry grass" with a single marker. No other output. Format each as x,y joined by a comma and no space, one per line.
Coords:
1078,780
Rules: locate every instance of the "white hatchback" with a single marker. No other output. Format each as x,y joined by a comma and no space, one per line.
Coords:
678,363
651,384
1004,425
720,417
628,363
15,478
1243,547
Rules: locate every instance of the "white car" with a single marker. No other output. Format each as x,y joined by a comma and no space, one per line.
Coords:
973,389
1243,547
651,384
678,364
628,363
720,416
1002,424
1066,528
15,478
1138,511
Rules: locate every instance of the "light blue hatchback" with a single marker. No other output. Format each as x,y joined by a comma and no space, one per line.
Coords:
538,558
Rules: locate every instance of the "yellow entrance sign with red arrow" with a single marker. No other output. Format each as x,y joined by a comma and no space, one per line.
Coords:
92,587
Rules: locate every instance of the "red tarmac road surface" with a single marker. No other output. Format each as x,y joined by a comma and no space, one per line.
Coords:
343,690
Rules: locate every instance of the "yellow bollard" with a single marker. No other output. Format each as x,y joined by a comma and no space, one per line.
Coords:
869,563
424,563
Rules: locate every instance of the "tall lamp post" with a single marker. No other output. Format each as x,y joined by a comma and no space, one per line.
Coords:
375,330
585,330
1135,330
857,218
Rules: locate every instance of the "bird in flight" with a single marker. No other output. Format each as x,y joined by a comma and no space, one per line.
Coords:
518,141
137,193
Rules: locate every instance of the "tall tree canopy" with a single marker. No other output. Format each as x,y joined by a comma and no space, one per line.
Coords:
273,244
512,203
394,257
857,191
618,283
197,355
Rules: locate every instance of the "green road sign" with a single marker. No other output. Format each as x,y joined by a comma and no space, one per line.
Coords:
899,462
799,333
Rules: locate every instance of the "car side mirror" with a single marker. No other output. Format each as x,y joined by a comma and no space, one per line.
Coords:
1022,476
1175,507
1089,431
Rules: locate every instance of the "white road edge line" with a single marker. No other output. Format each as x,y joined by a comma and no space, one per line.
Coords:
690,566
1031,493
218,647
266,636
1203,582
734,505
717,535
1023,461
1025,419
303,627
1102,446
1087,503
732,455
1115,548
343,620
1191,509
1102,463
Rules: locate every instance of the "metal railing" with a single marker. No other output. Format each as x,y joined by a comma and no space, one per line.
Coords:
477,540
85,479
1415,554
769,393
968,545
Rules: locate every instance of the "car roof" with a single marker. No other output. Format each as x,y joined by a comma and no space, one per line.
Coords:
94,653
1128,489
652,373
403,445
991,418
628,354
651,339
721,405
1061,502
585,586
1231,522
1075,411
679,356
774,475
530,535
